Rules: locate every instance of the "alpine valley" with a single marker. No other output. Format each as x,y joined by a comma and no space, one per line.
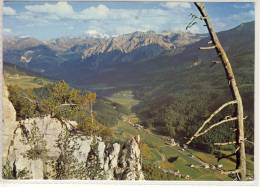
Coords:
160,86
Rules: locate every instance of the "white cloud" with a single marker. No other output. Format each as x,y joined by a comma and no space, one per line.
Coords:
59,10
173,5
220,23
233,20
101,20
71,28
34,19
124,29
129,28
122,21
243,17
8,11
62,10
95,34
7,30
195,29
65,10
98,12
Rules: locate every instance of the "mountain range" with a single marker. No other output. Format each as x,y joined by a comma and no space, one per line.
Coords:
91,52
139,58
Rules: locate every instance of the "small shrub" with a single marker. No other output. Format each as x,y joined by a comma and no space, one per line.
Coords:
36,142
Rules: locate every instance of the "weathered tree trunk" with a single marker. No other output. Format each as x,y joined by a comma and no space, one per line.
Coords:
240,155
91,113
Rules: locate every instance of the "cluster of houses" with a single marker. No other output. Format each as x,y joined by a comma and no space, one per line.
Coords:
171,142
177,174
207,166
138,126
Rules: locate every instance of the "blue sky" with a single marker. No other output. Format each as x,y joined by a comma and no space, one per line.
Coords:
48,20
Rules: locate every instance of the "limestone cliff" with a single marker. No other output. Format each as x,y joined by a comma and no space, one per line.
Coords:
8,123
47,148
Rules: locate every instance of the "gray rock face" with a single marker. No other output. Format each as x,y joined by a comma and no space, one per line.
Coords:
9,122
128,42
130,160
46,148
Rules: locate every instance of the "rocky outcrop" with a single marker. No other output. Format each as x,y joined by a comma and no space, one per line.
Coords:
8,123
46,148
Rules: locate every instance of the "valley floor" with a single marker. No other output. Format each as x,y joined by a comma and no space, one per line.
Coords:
156,151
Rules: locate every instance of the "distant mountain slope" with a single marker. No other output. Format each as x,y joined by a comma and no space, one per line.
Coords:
47,57
14,69
178,100
167,67
19,43
93,62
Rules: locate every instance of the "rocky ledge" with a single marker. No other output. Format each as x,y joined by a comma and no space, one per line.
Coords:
47,148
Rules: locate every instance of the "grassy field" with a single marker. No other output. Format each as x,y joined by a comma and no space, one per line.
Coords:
25,81
125,98
155,150
228,164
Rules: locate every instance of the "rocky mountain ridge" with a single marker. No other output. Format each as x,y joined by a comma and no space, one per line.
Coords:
130,58
41,56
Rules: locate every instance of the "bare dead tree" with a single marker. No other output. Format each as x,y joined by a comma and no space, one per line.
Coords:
237,100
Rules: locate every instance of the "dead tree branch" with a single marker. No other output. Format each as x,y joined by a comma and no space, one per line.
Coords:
249,141
225,143
66,104
207,48
209,119
241,155
217,124
229,155
194,19
226,156
216,62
